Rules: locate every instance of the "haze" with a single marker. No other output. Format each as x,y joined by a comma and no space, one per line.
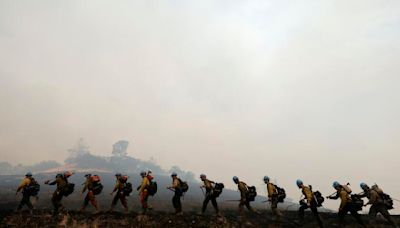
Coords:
292,89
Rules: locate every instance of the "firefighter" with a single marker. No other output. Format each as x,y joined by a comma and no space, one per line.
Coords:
176,199
90,197
244,200
120,194
26,195
209,196
61,181
346,204
308,202
272,197
143,191
376,201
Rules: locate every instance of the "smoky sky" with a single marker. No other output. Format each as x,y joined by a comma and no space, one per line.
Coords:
291,89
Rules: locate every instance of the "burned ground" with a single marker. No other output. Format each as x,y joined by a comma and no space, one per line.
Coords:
229,219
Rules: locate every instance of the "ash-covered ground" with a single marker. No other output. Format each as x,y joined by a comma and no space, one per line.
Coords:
229,218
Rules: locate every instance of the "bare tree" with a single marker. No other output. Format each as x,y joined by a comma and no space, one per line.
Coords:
120,148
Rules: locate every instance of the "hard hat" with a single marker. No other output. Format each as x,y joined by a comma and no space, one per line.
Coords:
235,178
266,178
28,174
335,184
203,176
299,183
363,185
173,174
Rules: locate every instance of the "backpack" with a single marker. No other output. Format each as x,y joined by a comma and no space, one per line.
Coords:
97,187
68,189
318,198
33,188
281,193
127,189
387,200
357,202
183,186
377,189
218,187
251,193
152,188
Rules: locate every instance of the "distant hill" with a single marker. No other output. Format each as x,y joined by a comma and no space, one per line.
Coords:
8,169
88,162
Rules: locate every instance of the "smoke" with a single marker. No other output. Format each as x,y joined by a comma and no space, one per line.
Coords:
292,90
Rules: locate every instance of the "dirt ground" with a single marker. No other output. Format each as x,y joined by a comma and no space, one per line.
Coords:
229,218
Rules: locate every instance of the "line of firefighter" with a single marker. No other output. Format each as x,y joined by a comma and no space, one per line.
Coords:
312,200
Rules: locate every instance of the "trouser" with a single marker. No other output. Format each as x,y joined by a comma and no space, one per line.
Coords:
121,197
244,202
314,209
213,199
144,196
380,208
349,208
56,201
274,207
26,200
176,201
90,197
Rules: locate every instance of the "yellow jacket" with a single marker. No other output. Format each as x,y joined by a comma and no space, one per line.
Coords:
344,198
118,186
60,182
175,183
87,185
307,193
24,183
144,184
374,197
271,189
208,185
242,187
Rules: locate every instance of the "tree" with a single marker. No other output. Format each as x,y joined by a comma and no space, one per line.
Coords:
120,148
